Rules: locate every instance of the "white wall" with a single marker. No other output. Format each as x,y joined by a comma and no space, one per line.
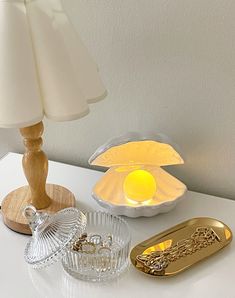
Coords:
169,66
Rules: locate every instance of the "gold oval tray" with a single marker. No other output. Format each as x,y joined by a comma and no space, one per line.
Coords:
181,246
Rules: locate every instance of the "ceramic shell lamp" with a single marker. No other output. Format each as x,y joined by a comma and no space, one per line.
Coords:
45,70
135,184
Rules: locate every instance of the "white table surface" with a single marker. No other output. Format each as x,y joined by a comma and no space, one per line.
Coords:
213,278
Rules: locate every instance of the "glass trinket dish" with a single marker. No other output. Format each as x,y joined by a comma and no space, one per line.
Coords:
93,246
107,255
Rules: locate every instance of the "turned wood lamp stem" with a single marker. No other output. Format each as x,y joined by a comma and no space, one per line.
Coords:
35,165
49,197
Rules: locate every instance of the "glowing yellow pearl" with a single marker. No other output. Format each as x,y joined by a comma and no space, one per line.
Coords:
140,186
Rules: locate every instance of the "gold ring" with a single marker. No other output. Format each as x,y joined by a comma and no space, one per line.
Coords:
88,247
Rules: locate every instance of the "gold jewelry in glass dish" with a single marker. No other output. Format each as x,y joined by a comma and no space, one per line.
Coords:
96,239
93,244
181,246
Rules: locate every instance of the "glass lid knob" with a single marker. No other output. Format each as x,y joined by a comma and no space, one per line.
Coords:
52,235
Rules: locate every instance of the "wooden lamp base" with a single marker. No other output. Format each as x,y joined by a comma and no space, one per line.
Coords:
14,203
44,197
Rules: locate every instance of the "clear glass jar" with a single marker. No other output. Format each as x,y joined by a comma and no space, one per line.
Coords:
102,263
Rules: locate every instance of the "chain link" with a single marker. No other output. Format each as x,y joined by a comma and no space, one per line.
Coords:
156,262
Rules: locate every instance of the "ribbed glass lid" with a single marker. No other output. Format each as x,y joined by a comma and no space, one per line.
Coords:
52,235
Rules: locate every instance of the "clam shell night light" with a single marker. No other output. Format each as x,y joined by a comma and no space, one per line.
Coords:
135,184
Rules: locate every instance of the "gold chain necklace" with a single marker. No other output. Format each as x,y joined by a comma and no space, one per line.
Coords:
157,261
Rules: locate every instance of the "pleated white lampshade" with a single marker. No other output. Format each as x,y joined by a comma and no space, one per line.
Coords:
44,67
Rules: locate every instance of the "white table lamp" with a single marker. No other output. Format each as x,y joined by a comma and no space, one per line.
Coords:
45,70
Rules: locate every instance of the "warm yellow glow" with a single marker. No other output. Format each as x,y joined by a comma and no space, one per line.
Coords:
127,168
110,187
139,186
147,152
